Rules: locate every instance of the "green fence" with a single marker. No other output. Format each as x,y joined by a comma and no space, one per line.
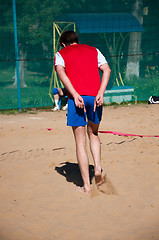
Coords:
126,32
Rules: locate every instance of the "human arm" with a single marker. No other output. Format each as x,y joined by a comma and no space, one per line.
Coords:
104,82
67,83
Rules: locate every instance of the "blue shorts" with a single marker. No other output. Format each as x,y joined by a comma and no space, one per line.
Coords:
77,117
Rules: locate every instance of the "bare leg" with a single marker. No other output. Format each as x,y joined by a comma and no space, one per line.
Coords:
60,92
92,130
82,157
56,97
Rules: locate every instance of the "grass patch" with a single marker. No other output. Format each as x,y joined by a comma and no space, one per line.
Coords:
36,94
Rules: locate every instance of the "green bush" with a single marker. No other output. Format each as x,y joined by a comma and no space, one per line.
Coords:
146,86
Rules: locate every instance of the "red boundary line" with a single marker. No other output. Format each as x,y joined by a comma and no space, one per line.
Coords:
127,134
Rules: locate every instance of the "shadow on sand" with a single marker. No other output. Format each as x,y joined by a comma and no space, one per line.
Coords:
72,173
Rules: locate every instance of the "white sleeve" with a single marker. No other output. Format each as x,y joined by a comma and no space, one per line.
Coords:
59,60
101,58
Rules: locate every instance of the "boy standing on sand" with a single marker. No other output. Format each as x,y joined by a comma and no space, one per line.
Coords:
77,66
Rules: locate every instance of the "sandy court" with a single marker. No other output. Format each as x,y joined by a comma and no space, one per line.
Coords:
39,176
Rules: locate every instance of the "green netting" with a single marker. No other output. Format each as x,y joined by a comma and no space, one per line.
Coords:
126,32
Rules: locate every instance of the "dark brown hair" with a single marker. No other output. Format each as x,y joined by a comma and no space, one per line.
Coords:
68,37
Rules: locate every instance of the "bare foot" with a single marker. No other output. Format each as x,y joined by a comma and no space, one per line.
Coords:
83,190
100,178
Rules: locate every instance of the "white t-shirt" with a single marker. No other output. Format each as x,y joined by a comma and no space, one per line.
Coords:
60,61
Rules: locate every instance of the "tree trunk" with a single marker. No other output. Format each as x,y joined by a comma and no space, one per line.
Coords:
133,62
21,71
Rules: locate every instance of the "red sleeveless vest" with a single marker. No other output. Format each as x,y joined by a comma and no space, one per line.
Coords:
81,66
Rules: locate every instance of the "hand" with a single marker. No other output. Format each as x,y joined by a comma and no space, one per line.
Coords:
98,101
79,102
